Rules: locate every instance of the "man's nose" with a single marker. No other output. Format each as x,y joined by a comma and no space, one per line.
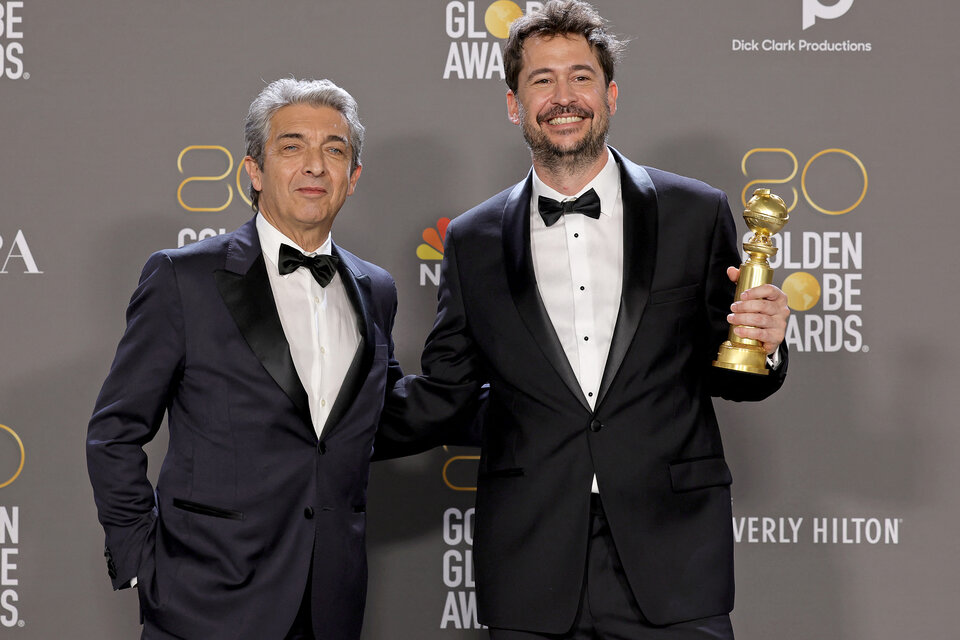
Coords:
313,162
563,93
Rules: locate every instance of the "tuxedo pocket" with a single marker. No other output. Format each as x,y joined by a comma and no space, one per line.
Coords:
687,475
514,472
675,294
207,510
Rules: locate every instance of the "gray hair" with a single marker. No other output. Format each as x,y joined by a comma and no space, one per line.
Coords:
287,91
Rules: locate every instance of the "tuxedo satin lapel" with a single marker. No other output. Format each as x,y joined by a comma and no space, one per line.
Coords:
640,213
357,285
518,260
245,289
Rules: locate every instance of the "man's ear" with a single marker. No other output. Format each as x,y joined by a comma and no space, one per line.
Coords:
513,107
353,179
253,171
612,91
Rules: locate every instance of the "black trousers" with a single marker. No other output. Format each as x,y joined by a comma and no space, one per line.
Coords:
608,610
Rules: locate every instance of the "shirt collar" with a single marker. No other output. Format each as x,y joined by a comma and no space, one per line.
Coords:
271,238
606,184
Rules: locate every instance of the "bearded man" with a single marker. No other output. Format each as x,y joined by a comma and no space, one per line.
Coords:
592,297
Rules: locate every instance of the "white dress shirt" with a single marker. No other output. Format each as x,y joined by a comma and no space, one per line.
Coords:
578,264
319,322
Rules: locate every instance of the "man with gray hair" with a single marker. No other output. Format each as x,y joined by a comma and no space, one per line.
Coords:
272,377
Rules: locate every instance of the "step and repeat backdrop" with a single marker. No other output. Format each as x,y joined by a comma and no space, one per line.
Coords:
121,134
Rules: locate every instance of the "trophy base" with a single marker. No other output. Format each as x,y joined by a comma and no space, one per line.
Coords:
745,359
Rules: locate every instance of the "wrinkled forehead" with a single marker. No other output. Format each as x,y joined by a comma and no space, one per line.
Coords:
302,120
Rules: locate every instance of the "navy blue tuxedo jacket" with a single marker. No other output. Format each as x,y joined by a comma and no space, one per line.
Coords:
652,439
248,496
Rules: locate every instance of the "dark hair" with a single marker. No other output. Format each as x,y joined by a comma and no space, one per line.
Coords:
287,91
561,18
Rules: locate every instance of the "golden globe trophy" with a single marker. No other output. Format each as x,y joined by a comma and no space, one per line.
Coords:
765,214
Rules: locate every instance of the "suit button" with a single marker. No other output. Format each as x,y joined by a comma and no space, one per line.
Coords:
595,425
308,513
322,448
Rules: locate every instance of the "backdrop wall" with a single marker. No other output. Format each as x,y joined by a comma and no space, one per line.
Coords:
121,134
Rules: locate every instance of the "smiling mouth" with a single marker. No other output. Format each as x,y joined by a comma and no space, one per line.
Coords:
570,114
564,120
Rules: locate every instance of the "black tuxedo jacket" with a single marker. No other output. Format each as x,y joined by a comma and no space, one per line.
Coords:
247,496
652,440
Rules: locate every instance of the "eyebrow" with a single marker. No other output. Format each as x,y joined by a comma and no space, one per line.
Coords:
299,136
335,138
575,67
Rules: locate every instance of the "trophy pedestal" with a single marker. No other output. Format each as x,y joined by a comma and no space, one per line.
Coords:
742,357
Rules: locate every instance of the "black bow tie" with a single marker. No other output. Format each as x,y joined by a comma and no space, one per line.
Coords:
323,267
550,210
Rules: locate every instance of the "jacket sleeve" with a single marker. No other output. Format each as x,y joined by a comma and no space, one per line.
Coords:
444,404
724,252
128,414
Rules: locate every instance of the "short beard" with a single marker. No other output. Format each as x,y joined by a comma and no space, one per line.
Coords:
555,159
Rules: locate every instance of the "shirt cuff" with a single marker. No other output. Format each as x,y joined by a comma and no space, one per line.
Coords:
773,360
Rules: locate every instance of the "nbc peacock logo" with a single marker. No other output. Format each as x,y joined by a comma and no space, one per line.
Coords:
431,252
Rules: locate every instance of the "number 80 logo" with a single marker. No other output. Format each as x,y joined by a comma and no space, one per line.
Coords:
803,178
